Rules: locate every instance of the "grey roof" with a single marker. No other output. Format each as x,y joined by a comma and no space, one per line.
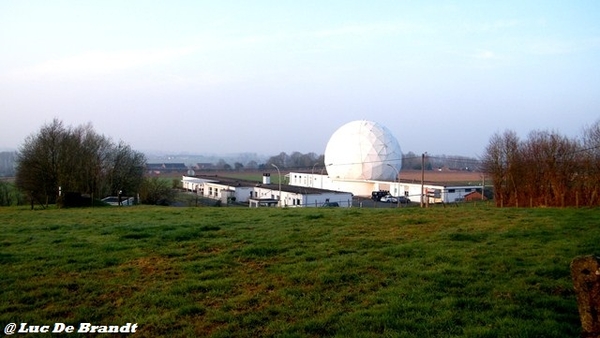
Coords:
175,166
166,166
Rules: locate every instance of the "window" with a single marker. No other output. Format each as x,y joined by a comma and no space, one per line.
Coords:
468,190
451,191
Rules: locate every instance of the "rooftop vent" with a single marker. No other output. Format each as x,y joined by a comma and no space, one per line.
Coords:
267,178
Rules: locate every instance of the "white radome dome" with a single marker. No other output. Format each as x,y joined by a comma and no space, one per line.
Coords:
363,150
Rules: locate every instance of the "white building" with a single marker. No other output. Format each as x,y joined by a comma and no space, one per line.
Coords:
263,194
432,192
362,157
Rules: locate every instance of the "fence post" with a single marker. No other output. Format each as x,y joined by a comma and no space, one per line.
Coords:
585,271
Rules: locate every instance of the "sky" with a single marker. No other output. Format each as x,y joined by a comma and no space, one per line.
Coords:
272,76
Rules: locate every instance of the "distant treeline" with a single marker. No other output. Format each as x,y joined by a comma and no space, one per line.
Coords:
546,169
296,160
410,161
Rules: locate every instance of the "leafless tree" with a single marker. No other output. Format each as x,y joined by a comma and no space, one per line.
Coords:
501,162
125,169
547,169
76,160
38,162
591,154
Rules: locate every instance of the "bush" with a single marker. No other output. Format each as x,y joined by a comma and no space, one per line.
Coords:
156,191
10,195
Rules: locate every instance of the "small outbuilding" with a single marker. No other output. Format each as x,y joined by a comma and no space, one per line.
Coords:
474,196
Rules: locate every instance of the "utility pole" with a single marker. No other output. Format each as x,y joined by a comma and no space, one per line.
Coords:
279,174
483,188
422,177
397,184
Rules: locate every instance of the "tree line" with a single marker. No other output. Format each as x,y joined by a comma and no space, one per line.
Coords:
410,161
296,160
59,160
545,169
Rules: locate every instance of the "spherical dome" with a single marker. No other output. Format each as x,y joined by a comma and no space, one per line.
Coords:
363,150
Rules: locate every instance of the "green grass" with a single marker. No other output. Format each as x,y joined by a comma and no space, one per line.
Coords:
220,272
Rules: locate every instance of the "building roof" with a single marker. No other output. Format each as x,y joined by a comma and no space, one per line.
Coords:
166,166
178,166
154,166
474,195
204,166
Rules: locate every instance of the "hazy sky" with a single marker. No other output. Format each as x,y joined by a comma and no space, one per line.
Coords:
272,76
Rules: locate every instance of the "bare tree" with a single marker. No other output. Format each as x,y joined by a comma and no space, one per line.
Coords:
126,169
252,165
501,162
38,167
552,168
547,169
591,154
296,160
410,161
282,160
76,160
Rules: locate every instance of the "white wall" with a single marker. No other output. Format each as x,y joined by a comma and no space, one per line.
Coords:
361,188
291,199
447,194
216,190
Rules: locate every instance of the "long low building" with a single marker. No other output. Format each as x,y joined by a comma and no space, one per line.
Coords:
430,192
263,193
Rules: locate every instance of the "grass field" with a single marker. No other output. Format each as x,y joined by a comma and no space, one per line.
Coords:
221,272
